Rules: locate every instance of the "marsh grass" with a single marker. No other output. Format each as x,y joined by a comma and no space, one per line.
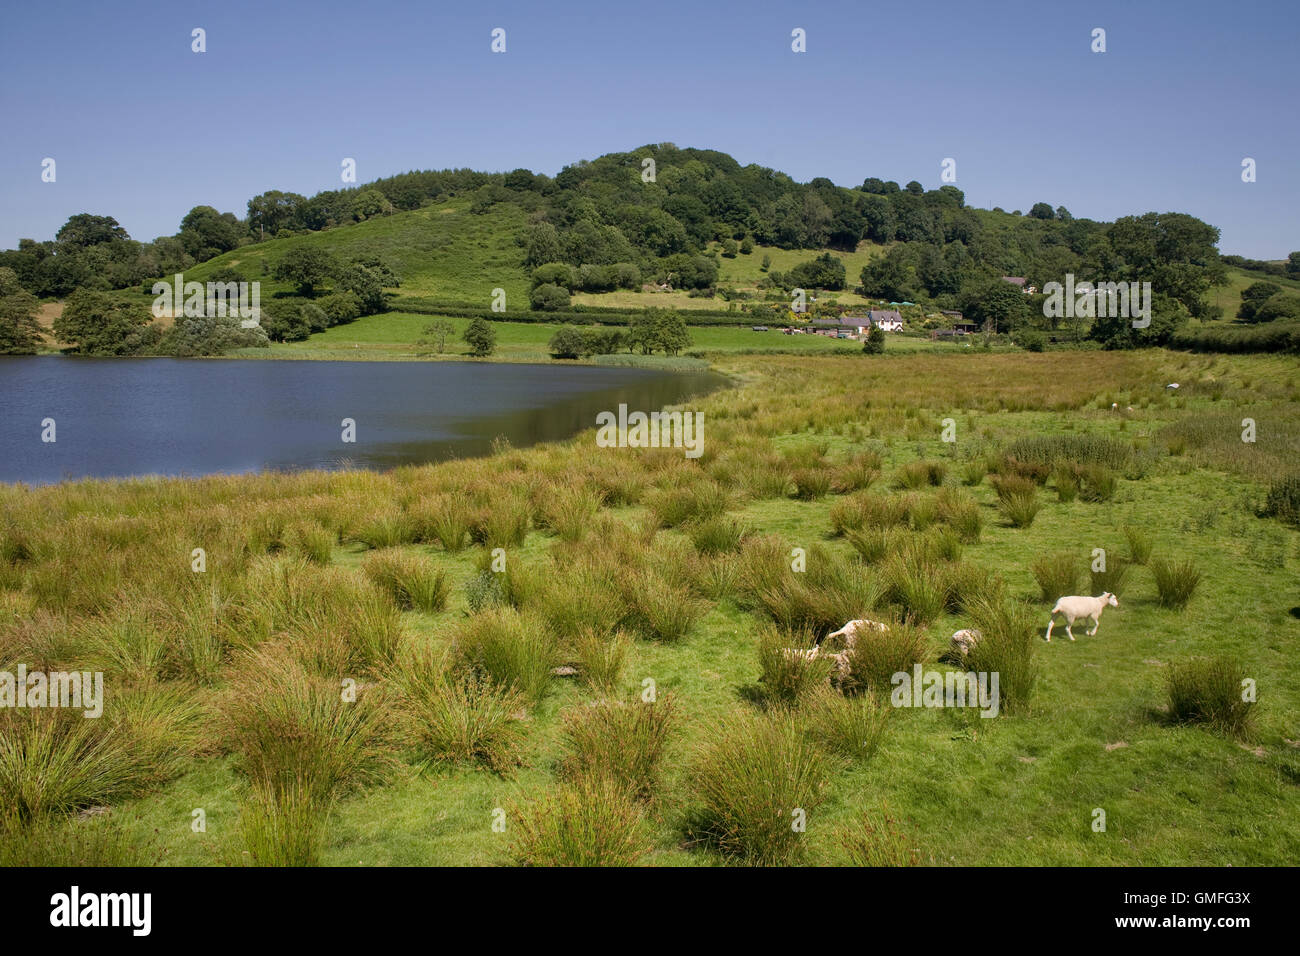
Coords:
1176,581
592,822
750,781
623,743
1057,574
411,580
878,655
787,675
1010,630
1209,690
851,727
510,649
459,717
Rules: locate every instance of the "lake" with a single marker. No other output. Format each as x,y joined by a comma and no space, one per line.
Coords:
121,417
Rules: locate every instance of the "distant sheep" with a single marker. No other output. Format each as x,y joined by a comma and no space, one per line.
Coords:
964,640
1075,607
852,630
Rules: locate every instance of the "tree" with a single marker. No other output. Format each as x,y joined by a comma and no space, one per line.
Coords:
997,304
98,325
19,331
1253,296
436,334
567,343
1042,210
1280,306
481,338
84,230
1293,264
274,210
306,267
874,344
206,233
549,297
824,272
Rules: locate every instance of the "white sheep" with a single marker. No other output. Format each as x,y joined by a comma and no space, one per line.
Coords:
840,667
853,629
1075,606
962,641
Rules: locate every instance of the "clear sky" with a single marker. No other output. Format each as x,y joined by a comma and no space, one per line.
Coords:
143,129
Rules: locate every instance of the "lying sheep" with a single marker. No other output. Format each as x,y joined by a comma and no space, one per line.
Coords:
1074,607
964,640
851,630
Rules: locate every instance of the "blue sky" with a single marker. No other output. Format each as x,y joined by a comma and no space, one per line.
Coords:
143,129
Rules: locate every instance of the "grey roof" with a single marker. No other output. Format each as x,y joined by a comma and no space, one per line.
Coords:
885,315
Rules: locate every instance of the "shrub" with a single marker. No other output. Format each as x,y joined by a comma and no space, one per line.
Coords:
1057,575
750,781
873,545
1209,690
920,474
916,587
569,511
659,608
1283,500
960,512
1176,581
509,649
590,823
311,540
410,579
973,472
621,743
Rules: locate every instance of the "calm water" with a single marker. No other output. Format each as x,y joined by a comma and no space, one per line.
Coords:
117,417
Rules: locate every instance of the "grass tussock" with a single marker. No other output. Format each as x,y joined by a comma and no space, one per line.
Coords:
591,822
1211,690
411,580
1176,581
758,785
623,743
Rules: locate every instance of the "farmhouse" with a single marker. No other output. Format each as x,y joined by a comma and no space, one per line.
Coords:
887,320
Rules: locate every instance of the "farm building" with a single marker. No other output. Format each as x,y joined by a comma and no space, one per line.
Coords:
888,320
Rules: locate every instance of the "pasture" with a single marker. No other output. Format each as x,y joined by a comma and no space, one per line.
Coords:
362,672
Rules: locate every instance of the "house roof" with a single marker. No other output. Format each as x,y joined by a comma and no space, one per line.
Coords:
1014,280
884,315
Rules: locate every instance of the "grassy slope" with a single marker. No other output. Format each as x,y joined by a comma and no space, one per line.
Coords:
1010,791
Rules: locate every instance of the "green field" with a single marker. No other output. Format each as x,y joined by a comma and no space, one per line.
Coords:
223,687
394,335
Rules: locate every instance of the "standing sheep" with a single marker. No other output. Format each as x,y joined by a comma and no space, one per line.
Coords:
1074,607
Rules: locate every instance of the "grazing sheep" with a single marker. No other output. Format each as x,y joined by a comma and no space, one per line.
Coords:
1074,607
964,640
851,630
